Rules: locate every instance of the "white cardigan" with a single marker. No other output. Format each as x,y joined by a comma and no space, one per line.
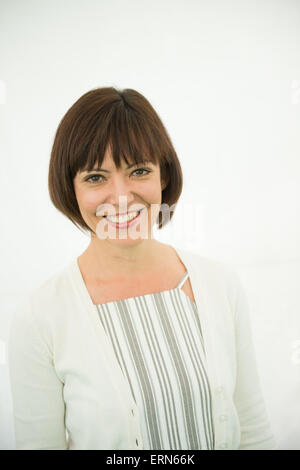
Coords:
65,377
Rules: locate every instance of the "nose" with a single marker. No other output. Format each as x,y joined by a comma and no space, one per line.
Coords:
120,189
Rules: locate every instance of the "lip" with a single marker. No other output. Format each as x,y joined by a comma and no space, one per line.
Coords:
123,213
100,213
125,224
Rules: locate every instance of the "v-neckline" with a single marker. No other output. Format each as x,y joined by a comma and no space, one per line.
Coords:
179,289
110,302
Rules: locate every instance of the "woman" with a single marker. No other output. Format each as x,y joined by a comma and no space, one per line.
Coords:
135,344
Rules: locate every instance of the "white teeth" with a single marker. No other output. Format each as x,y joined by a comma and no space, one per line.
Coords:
123,218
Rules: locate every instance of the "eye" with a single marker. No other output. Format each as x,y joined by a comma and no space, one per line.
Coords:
142,169
90,178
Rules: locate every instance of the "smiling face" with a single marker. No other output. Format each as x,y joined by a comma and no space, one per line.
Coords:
112,191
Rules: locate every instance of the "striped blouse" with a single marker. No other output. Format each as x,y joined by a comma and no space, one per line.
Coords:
158,342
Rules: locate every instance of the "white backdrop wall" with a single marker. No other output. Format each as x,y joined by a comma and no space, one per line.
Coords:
224,76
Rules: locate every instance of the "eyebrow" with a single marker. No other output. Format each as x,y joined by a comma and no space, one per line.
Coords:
127,168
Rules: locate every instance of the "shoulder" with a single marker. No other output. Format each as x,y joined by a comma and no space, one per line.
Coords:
208,267
47,299
53,288
220,279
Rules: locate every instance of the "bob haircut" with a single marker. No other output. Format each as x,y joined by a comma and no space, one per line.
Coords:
123,120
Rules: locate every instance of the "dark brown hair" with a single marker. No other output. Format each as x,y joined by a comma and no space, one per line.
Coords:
123,120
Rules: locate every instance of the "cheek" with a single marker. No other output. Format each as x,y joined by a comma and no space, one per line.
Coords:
152,192
88,200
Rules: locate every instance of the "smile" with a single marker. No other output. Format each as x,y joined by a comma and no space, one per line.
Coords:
124,221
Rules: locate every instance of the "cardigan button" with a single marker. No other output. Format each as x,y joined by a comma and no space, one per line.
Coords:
219,390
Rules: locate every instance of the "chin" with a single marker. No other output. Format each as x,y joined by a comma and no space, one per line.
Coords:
125,242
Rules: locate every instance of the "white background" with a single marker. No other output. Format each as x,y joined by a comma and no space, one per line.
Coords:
224,76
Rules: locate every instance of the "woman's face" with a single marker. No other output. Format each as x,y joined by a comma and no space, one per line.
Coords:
108,191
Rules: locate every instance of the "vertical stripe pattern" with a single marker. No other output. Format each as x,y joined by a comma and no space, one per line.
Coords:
157,340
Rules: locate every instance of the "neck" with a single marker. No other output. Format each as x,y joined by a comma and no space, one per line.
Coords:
106,261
